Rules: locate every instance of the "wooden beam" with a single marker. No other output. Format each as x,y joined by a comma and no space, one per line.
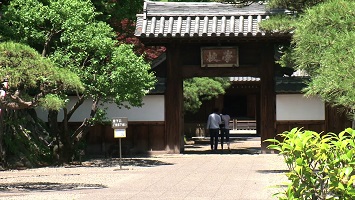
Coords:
267,95
174,101
164,41
189,71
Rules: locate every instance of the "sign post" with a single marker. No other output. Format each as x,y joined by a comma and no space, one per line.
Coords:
119,126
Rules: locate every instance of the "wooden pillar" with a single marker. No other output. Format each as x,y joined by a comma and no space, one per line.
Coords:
258,115
174,101
267,95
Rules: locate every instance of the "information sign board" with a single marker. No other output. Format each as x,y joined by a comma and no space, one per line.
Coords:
219,57
120,123
119,133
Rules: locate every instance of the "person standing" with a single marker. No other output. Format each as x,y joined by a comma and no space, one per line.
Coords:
225,128
213,122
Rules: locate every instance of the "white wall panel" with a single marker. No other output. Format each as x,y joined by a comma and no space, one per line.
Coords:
152,110
298,107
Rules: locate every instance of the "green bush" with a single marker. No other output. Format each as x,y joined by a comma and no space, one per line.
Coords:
321,166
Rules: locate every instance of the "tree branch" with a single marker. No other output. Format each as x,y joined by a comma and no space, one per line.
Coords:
84,128
75,107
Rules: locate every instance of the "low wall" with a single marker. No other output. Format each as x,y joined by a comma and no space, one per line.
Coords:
141,137
313,125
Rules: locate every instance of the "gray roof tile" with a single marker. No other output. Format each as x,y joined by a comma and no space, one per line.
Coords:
196,19
244,79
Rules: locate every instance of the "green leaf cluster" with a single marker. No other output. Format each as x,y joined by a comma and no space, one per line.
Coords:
83,54
68,32
23,65
29,72
294,5
321,166
52,102
115,11
322,45
279,24
199,89
325,48
36,22
129,79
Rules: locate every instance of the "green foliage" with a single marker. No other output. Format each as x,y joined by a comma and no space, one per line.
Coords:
36,22
286,22
323,45
199,89
20,144
69,33
77,41
24,66
100,117
118,10
279,24
31,73
293,5
320,165
325,48
27,69
52,102
24,140
129,79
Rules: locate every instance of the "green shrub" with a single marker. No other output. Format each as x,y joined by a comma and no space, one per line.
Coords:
321,166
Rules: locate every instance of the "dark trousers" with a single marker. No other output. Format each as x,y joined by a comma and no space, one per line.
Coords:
214,138
224,133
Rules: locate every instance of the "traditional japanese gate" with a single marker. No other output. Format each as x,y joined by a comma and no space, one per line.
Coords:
202,39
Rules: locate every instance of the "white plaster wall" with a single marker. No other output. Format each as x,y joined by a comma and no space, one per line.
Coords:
152,110
298,107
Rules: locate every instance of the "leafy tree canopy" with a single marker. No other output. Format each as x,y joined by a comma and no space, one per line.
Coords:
293,5
199,89
325,48
322,45
70,34
31,74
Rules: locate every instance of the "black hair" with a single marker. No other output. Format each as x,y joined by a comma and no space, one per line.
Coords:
215,110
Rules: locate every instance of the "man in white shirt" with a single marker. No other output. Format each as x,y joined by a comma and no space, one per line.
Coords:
213,122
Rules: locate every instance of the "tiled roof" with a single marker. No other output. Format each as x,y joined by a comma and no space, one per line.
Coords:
197,19
244,79
290,84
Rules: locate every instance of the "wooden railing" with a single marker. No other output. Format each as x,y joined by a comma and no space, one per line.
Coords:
243,124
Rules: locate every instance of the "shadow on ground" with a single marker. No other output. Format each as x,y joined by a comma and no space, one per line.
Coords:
240,145
97,162
47,186
197,149
272,171
113,162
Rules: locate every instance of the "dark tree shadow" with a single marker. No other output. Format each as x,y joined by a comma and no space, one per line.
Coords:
112,162
273,171
94,162
247,150
203,147
47,186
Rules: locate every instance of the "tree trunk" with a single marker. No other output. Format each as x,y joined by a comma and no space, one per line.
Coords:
67,143
67,149
54,130
85,126
2,144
